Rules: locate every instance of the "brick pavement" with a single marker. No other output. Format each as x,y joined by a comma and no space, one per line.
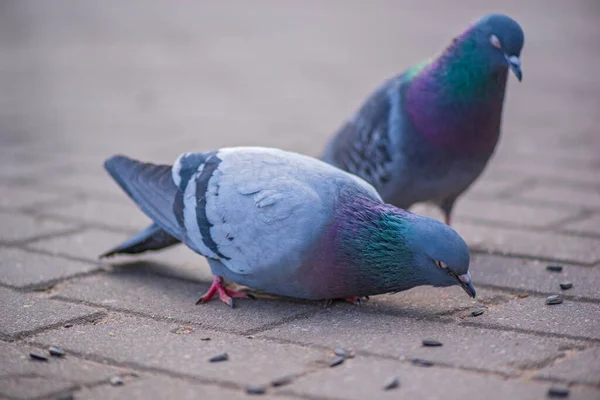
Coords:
81,81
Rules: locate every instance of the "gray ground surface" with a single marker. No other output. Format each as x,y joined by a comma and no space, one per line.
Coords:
81,80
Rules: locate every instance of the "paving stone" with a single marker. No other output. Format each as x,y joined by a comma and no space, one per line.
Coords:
361,378
23,196
531,275
98,184
135,287
23,313
582,367
589,225
401,336
535,244
23,378
502,212
490,186
159,387
561,194
22,268
154,344
427,300
104,213
532,313
88,244
15,226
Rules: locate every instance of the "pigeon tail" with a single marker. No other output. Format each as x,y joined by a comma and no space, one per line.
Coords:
150,239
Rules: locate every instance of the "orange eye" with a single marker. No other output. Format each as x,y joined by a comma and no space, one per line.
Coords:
495,41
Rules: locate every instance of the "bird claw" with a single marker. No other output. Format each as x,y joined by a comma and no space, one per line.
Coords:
356,300
225,295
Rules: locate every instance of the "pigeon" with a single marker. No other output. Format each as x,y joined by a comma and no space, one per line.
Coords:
428,133
291,225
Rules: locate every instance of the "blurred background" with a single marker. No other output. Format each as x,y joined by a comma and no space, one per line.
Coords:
82,80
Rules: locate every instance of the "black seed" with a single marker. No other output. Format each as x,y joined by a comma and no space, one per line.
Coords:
340,352
554,268
555,299
255,389
391,383
219,357
477,312
116,380
422,363
68,326
35,355
282,381
558,392
431,343
56,351
205,338
336,361
566,285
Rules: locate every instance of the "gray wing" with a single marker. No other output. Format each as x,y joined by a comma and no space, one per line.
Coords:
364,145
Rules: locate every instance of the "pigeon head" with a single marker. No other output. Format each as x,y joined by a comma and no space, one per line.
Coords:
501,39
440,254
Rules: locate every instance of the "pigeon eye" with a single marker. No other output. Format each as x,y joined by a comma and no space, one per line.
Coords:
441,264
495,41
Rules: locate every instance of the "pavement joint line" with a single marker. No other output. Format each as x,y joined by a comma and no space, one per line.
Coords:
33,239
493,326
48,285
521,256
482,221
581,216
536,293
88,319
517,187
65,256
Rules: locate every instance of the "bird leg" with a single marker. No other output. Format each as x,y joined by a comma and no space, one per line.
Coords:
448,219
225,295
356,300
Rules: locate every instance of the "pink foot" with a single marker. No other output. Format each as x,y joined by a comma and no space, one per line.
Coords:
225,295
356,300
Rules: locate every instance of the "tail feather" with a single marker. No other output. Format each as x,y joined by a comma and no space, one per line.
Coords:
152,188
150,239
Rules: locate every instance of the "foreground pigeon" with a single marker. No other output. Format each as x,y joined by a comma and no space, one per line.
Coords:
292,225
428,133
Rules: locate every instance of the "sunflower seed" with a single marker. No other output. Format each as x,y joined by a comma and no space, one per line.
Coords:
566,285
391,383
555,299
558,392
35,355
68,325
477,312
205,338
431,343
554,268
282,381
336,361
255,389
116,380
340,352
56,351
219,357
422,363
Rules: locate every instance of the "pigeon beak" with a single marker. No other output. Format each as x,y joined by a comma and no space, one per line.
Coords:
514,63
465,282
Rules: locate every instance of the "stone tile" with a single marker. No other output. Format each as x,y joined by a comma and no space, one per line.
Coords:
96,184
24,269
23,196
102,213
136,287
501,212
24,313
428,301
400,336
530,275
88,244
576,319
15,226
589,225
582,367
361,378
23,378
490,185
160,387
563,195
548,245
153,344
552,176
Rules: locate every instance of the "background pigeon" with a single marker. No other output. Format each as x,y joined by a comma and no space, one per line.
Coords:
428,133
291,225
